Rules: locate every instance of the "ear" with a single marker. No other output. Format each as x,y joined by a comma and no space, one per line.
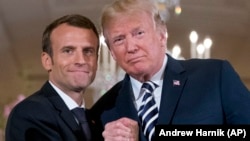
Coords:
163,36
46,61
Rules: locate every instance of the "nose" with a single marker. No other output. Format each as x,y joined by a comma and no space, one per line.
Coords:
80,58
131,45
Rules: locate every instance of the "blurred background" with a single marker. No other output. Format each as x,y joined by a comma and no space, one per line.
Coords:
223,24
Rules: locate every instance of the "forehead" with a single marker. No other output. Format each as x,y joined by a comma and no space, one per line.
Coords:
65,30
71,35
127,21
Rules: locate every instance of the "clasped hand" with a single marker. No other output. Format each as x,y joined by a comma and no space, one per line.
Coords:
123,129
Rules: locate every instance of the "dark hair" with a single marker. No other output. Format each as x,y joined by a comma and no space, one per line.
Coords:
73,20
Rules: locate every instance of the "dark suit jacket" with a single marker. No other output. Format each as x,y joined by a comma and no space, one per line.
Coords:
210,92
43,117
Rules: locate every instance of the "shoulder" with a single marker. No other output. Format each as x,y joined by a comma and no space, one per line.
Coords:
107,101
193,65
35,105
111,94
202,62
205,64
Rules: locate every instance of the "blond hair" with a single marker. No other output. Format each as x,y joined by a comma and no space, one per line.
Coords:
130,6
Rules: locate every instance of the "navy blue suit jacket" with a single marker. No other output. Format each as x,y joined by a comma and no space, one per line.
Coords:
210,92
43,117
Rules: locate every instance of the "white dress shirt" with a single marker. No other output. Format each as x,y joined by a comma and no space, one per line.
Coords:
157,79
71,104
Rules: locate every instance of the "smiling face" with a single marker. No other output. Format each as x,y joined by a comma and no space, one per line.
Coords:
136,43
73,65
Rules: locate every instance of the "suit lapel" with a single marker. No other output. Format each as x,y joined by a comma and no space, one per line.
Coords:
60,106
125,105
173,84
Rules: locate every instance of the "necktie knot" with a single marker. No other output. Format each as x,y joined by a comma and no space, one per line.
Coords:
149,86
80,114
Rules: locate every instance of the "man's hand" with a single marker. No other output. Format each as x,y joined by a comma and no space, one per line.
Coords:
123,129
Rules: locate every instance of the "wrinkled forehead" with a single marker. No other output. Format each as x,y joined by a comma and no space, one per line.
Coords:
121,19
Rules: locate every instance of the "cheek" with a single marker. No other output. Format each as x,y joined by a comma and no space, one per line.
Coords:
115,54
94,64
61,63
119,56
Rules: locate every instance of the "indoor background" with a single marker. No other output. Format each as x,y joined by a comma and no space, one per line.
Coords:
225,22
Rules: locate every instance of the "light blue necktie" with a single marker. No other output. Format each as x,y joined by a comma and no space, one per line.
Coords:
148,111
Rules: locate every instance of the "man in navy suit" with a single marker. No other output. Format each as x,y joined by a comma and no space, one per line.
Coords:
191,91
69,54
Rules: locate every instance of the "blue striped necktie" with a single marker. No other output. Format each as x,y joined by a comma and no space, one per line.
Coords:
148,111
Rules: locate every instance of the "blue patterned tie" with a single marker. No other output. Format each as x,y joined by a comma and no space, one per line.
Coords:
79,113
148,111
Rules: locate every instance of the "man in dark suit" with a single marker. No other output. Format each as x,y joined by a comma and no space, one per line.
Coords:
70,52
185,92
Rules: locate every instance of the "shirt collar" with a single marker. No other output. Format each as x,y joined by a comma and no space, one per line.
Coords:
71,104
136,85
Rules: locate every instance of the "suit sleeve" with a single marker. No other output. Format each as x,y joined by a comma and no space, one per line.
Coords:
30,121
235,96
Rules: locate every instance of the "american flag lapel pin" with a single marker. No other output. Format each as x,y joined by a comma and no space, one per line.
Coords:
176,83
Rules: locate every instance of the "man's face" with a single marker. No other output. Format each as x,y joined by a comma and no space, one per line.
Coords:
74,61
136,43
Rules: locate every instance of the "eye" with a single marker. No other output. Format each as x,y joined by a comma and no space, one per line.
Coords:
139,33
89,51
118,40
68,50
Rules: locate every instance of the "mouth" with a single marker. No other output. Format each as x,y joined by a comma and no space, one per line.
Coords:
79,71
135,59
